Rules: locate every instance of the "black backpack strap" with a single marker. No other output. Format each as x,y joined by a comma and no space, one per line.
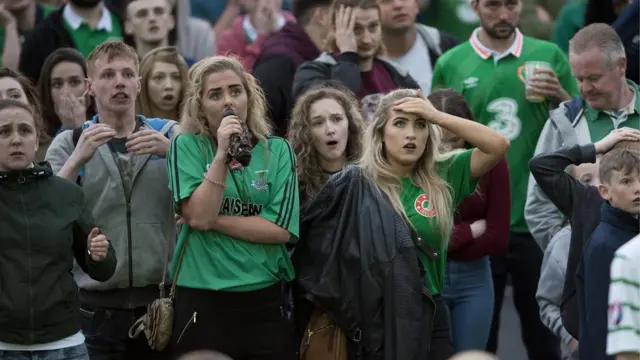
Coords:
75,138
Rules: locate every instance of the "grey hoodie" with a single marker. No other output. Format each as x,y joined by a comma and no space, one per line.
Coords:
566,126
137,228
196,39
550,287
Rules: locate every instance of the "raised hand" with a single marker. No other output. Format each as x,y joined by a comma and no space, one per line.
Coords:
97,245
344,34
230,125
148,142
71,110
615,137
419,106
90,140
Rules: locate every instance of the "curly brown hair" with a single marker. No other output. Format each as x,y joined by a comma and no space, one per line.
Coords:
311,177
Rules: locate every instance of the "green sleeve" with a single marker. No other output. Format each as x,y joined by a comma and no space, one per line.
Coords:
438,81
456,171
186,164
563,71
283,208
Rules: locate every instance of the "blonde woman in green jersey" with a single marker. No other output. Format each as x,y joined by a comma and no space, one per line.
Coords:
410,178
237,220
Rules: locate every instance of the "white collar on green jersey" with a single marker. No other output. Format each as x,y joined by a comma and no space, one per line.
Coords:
485,53
74,20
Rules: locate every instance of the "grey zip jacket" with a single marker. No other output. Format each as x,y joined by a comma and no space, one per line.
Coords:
137,224
550,287
566,127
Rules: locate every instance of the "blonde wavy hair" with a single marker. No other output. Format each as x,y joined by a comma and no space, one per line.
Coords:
193,119
375,165
166,54
310,174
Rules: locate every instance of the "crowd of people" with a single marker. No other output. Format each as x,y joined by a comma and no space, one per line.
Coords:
340,181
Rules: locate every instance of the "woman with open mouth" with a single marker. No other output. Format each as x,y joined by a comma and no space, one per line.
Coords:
164,74
373,240
45,227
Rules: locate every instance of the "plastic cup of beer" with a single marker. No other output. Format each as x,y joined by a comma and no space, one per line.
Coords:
530,69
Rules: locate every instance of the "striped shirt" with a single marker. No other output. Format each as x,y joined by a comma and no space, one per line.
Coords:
624,300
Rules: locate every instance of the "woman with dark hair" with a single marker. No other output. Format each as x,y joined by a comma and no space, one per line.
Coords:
326,134
14,86
481,228
39,301
65,103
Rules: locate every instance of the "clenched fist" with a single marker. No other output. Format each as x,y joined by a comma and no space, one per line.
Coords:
97,245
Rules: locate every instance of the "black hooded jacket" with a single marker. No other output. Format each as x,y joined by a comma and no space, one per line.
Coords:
357,260
280,57
45,227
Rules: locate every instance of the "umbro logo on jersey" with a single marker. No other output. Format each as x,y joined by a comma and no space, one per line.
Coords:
470,82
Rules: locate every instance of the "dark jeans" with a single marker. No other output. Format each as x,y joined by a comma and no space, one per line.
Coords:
78,352
243,325
522,261
107,335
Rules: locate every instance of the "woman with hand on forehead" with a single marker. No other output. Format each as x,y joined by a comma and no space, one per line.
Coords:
380,275
45,226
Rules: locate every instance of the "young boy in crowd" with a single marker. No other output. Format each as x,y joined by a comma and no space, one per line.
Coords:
620,188
569,177
624,300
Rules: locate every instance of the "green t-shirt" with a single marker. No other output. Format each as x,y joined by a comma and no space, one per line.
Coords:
495,92
570,20
456,171
268,188
42,11
86,39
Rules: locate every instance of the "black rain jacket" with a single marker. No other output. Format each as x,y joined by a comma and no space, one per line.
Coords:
357,260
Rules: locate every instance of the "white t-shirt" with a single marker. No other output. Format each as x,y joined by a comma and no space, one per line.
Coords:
624,300
418,62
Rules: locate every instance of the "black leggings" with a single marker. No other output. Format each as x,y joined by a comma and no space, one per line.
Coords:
243,325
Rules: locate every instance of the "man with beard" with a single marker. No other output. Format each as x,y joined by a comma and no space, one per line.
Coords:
80,24
510,82
119,160
415,47
17,18
355,44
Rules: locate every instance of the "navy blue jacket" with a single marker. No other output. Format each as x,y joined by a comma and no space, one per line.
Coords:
615,229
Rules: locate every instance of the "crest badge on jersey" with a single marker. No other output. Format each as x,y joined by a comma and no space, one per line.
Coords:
424,207
260,184
615,314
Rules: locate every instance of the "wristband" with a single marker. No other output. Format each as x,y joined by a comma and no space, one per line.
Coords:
214,182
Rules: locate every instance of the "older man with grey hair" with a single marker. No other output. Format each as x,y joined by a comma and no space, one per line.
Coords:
608,101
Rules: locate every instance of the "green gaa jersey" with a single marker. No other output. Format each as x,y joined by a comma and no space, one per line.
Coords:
268,188
456,171
494,88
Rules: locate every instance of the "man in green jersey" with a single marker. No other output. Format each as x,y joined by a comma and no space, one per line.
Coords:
489,70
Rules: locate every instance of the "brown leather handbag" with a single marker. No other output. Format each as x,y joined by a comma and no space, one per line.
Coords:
157,323
323,339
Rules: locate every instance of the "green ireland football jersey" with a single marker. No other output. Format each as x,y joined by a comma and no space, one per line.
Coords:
268,188
456,171
495,92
